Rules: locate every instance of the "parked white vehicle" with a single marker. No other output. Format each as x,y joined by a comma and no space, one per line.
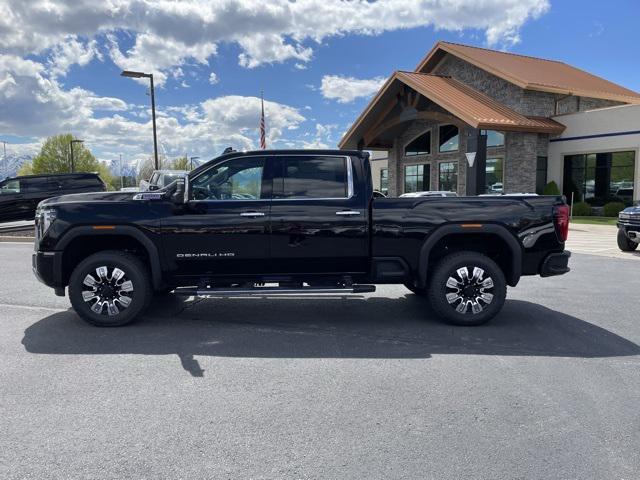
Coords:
432,193
160,179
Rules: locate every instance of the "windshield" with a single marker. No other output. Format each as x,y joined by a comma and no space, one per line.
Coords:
171,178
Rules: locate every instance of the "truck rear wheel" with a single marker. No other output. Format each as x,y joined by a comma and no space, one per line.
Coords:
467,288
110,288
624,243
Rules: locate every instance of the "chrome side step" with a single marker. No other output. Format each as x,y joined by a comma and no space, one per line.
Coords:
272,291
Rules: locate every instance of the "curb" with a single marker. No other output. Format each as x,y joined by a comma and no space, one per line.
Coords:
8,238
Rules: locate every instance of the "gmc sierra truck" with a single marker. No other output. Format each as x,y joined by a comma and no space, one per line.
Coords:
292,222
629,228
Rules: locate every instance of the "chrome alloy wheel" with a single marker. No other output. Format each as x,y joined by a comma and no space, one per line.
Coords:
112,291
474,293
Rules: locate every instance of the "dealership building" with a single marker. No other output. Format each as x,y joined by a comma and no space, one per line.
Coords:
473,120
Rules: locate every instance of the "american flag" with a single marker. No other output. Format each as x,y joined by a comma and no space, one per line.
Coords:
263,141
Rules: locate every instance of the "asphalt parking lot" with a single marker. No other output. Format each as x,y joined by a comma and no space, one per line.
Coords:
369,386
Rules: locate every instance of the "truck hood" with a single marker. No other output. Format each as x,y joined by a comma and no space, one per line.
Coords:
632,210
88,198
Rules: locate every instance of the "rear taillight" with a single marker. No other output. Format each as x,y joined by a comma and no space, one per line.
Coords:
561,221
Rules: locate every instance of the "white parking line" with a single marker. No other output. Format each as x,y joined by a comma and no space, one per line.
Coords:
31,307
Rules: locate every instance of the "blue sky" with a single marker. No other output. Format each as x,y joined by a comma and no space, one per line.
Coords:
318,63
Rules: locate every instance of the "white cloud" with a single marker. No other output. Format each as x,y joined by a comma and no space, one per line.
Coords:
41,39
323,137
168,34
70,52
213,78
347,89
35,105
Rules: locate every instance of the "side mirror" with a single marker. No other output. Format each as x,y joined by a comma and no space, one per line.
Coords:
153,187
180,194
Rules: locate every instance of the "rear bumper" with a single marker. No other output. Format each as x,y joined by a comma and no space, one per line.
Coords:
555,264
47,267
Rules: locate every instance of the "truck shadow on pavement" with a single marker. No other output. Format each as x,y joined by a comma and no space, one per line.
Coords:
349,327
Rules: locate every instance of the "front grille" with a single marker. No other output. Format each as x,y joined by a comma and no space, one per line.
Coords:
629,219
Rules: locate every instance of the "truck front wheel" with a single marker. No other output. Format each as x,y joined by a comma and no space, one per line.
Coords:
110,288
624,243
467,288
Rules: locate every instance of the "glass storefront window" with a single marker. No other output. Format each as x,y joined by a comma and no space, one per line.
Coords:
541,174
494,138
419,146
599,178
448,138
416,178
384,180
495,175
448,176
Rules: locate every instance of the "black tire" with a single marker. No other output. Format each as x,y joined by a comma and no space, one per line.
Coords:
483,291
624,243
110,288
421,292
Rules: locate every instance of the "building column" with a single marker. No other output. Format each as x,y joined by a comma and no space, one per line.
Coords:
395,169
520,162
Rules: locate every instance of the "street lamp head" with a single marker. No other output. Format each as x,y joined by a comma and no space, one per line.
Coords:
130,74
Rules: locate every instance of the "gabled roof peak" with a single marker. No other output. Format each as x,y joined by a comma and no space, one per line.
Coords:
530,73
503,52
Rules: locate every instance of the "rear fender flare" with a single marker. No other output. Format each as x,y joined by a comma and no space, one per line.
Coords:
512,276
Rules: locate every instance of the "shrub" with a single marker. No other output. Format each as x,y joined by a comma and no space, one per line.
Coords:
612,209
551,188
581,209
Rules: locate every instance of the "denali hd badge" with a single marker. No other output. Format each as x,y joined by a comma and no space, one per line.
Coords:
205,255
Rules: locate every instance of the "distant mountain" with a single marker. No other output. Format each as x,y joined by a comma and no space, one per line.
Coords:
9,167
128,169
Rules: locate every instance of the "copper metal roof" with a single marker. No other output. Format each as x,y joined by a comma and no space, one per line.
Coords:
475,108
462,101
532,73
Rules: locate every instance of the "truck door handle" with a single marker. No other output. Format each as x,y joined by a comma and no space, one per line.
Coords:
252,214
348,212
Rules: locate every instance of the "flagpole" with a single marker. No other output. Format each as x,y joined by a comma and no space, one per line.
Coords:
263,141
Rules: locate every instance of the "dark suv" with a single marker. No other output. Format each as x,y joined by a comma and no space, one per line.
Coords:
19,196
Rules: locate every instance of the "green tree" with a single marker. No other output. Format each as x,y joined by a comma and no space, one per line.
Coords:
181,163
55,157
26,168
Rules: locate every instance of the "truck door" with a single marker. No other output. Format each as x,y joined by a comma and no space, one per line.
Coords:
319,221
223,228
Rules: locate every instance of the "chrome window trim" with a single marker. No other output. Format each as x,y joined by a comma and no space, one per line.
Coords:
350,188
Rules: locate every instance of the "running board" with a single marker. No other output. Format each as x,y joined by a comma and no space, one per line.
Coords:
271,291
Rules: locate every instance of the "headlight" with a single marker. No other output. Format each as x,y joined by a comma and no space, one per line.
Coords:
44,218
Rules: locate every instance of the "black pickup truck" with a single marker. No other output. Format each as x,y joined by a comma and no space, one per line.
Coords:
292,222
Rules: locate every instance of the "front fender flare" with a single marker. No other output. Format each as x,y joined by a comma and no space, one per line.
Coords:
123,230
512,276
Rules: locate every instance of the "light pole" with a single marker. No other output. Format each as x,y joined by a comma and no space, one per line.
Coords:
4,157
192,159
71,143
130,74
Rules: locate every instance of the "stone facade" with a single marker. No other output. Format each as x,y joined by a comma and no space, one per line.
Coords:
398,161
520,164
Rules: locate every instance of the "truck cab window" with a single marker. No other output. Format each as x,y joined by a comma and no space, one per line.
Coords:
10,186
311,177
239,179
